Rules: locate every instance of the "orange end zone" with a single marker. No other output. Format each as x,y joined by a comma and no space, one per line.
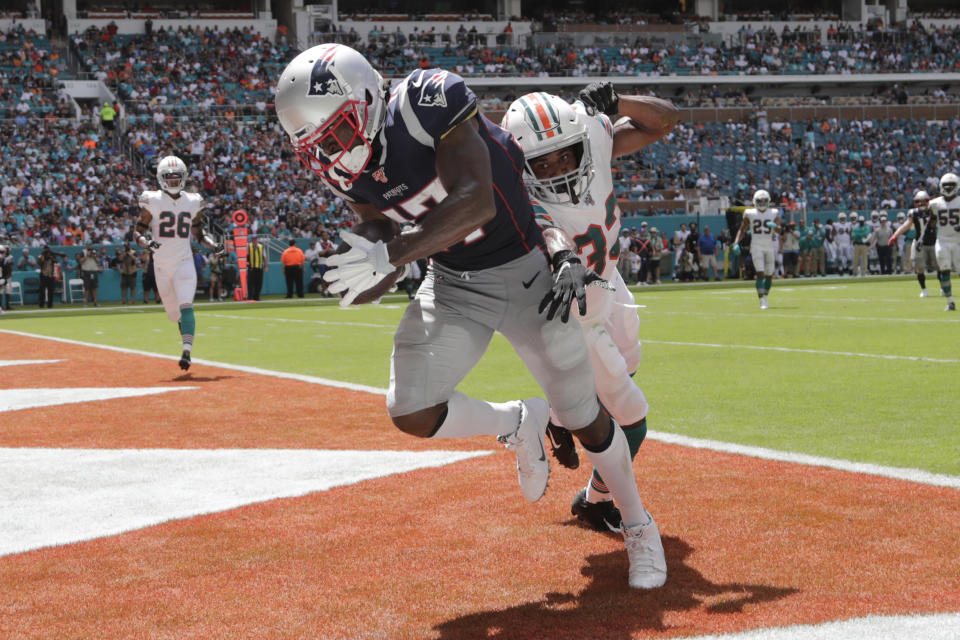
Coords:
451,553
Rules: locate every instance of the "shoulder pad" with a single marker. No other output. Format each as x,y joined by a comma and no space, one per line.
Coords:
434,101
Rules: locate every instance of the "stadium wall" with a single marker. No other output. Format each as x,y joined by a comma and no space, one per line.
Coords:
266,28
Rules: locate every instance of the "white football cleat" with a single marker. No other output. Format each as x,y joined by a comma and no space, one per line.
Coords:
648,566
763,303
533,468
924,294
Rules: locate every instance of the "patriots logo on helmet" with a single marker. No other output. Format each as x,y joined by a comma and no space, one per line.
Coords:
432,93
323,81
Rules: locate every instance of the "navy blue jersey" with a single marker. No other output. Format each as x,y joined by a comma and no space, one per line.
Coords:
423,108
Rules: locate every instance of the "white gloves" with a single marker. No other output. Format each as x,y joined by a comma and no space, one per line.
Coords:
364,265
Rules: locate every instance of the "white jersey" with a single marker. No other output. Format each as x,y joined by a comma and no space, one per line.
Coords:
593,223
947,215
171,223
843,233
757,223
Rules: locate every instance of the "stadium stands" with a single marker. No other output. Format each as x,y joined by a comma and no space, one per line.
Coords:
30,71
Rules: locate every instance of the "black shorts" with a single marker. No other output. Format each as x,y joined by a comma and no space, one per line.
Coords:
90,279
128,281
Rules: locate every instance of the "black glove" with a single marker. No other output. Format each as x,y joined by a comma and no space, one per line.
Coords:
561,442
153,245
600,96
570,278
218,249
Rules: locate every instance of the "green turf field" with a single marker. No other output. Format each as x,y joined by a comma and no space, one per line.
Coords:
852,369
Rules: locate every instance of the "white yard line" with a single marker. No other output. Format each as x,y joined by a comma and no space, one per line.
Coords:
851,354
797,316
912,475
942,626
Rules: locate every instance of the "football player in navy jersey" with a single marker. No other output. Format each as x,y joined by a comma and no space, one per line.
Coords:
423,156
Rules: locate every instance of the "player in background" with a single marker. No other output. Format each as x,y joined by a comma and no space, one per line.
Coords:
6,278
426,156
844,243
923,247
830,245
172,216
945,210
762,220
568,151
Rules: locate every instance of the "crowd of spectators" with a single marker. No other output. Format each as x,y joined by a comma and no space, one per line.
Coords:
167,69
827,165
911,49
30,72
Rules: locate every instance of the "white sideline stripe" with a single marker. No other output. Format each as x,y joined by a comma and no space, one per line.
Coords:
300,321
31,398
61,496
943,626
853,354
797,316
223,365
14,363
912,475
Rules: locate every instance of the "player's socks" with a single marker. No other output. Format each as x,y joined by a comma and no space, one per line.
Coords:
635,437
945,285
768,285
597,490
759,285
612,460
188,324
922,279
468,416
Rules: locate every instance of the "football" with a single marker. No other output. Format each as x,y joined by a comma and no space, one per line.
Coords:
373,230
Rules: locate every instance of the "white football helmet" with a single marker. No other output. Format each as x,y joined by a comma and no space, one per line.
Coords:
841,217
949,185
542,123
329,95
874,215
921,199
172,174
761,199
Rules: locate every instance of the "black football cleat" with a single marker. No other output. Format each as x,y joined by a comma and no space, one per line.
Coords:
602,516
185,360
561,443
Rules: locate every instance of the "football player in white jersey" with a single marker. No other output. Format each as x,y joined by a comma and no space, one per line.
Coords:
172,216
568,151
946,211
762,221
844,242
